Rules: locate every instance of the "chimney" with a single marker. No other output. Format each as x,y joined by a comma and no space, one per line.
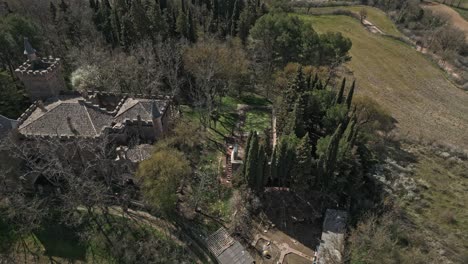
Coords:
29,50
41,106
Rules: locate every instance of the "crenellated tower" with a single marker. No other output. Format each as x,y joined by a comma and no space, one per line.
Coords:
42,77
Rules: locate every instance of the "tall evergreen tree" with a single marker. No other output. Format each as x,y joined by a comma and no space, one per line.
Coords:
349,99
92,4
53,11
328,160
274,165
302,169
182,24
339,96
141,22
251,163
246,151
261,165
245,22
63,6
192,27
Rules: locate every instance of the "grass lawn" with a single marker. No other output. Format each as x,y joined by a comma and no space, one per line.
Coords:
257,120
374,15
228,116
412,88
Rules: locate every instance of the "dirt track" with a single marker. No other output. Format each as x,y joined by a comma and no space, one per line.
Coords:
457,20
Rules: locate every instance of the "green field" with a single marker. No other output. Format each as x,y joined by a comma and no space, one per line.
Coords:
412,88
374,15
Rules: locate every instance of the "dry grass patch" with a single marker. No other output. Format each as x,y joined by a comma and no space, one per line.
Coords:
413,89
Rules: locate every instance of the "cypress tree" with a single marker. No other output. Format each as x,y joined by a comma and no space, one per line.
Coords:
315,81
158,24
244,24
192,28
162,4
182,24
141,22
285,159
330,156
274,165
339,96
116,26
53,11
319,85
346,140
246,151
349,99
260,173
267,140
298,117
302,168
252,163
296,88
92,4
309,81
126,36
63,6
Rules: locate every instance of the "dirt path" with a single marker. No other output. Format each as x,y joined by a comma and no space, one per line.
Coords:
371,27
455,18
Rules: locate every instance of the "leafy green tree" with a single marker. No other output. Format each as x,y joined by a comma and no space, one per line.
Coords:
160,177
279,37
13,29
334,48
13,100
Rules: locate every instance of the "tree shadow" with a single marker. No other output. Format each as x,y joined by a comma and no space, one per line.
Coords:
298,218
61,241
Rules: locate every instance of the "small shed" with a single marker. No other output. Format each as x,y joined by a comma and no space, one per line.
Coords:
226,249
333,237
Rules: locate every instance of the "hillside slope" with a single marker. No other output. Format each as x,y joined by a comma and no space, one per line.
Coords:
415,91
454,17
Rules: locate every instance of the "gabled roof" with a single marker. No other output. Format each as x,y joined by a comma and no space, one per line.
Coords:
226,249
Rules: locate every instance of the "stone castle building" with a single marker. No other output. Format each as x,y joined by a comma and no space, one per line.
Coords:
126,123
57,113
41,76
